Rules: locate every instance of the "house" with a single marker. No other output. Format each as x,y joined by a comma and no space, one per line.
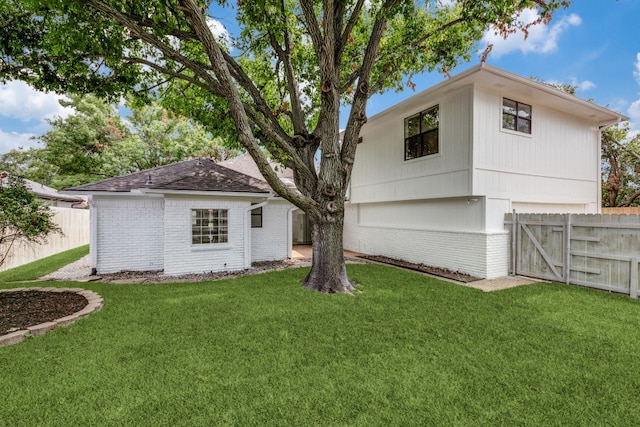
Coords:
435,174
49,196
432,179
189,217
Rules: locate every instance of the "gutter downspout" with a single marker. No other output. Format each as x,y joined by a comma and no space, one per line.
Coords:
290,231
247,232
93,234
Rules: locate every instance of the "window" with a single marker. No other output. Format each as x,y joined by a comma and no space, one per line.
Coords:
421,134
256,218
516,116
209,226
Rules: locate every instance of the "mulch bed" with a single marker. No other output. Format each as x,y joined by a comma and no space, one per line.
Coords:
149,277
436,271
21,309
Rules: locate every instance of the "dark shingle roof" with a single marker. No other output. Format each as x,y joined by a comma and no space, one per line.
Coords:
190,175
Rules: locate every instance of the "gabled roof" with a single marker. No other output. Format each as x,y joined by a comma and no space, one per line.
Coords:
487,76
202,175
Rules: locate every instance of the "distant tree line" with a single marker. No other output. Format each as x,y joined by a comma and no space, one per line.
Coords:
95,143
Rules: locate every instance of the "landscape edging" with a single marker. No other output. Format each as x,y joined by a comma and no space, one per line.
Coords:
94,303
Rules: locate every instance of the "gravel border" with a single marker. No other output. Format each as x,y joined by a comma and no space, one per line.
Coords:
94,303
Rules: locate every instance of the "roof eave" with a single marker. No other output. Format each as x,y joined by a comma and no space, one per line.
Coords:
204,193
614,116
473,76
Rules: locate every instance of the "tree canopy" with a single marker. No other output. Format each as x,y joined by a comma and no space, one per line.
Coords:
620,167
23,217
96,143
280,85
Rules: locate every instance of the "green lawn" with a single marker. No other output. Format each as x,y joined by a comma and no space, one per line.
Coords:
44,266
259,350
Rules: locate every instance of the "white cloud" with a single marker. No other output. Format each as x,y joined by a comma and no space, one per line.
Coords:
220,32
581,86
541,38
634,109
13,140
584,85
21,101
634,117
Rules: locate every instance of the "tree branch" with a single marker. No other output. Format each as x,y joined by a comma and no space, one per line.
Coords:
196,18
137,30
313,28
416,44
351,23
357,116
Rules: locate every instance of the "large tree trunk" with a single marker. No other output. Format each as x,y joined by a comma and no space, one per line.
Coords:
328,273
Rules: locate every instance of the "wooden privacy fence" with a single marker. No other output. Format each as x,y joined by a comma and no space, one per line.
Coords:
633,210
75,226
598,251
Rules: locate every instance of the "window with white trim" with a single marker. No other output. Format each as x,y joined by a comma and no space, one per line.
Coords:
516,116
421,133
209,226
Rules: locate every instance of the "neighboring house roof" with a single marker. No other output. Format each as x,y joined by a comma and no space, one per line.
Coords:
485,75
44,192
190,175
245,164
48,193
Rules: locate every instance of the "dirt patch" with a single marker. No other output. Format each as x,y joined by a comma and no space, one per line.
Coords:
22,309
436,271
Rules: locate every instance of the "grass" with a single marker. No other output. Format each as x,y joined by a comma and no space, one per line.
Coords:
35,270
259,350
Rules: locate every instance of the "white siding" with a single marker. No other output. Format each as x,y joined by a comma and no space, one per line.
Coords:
128,233
271,242
557,164
380,172
553,208
182,257
439,214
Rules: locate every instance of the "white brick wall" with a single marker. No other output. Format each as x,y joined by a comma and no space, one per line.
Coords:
271,242
129,234
480,254
497,254
182,257
146,233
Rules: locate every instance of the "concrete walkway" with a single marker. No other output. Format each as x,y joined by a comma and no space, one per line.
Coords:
305,251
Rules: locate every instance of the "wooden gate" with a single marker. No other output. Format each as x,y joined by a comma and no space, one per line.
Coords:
598,251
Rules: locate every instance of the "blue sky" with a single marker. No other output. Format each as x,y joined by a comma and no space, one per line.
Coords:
595,45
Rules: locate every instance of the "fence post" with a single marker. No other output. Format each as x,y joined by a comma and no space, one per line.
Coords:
633,279
567,249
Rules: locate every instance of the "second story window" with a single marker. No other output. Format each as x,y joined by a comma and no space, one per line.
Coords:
516,116
421,133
